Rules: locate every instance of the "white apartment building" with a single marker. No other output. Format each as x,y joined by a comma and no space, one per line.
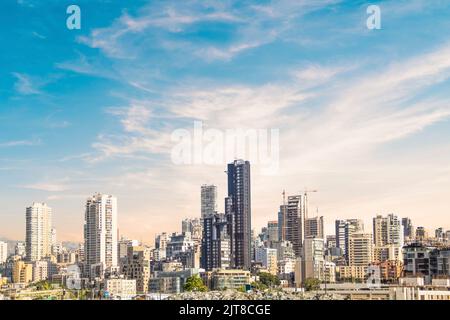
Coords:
38,235
100,235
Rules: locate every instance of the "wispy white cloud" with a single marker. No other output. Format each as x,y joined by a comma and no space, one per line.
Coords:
52,187
18,143
26,85
258,25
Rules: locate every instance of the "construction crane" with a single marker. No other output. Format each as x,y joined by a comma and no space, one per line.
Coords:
306,192
283,221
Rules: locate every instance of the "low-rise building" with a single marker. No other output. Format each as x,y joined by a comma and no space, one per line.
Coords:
441,282
412,293
170,281
412,281
227,279
352,273
121,289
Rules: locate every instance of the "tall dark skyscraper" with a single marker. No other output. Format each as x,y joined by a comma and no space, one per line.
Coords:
239,206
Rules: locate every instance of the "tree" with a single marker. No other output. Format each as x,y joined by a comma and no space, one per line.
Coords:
259,285
268,279
312,284
195,283
43,285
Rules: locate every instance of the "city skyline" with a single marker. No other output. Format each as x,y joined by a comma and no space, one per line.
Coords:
368,225
363,115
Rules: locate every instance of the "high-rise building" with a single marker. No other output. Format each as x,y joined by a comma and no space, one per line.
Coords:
54,241
331,241
387,230
19,249
314,227
38,235
313,258
295,223
208,200
193,226
344,229
272,232
215,249
100,235
239,197
282,213
421,233
161,241
3,252
137,266
340,227
360,249
408,229
439,233
380,237
123,245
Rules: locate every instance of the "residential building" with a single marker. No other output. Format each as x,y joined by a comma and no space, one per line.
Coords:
344,229
421,234
179,244
312,262
268,259
38,233
314,228
169,282
387,230
137,266
360,249
215,243
22,272
227,279
208,200
100,236
408,229
417,261
120,289
272,233
239,204
19,249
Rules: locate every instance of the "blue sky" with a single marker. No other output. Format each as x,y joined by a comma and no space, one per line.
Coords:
363,114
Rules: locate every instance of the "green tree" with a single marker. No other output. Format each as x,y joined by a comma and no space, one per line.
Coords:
259,285
44,285
195,283
312,284
268,279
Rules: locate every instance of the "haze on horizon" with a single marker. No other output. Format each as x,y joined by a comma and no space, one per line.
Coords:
363,115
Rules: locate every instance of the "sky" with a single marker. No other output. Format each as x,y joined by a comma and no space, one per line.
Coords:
363,115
